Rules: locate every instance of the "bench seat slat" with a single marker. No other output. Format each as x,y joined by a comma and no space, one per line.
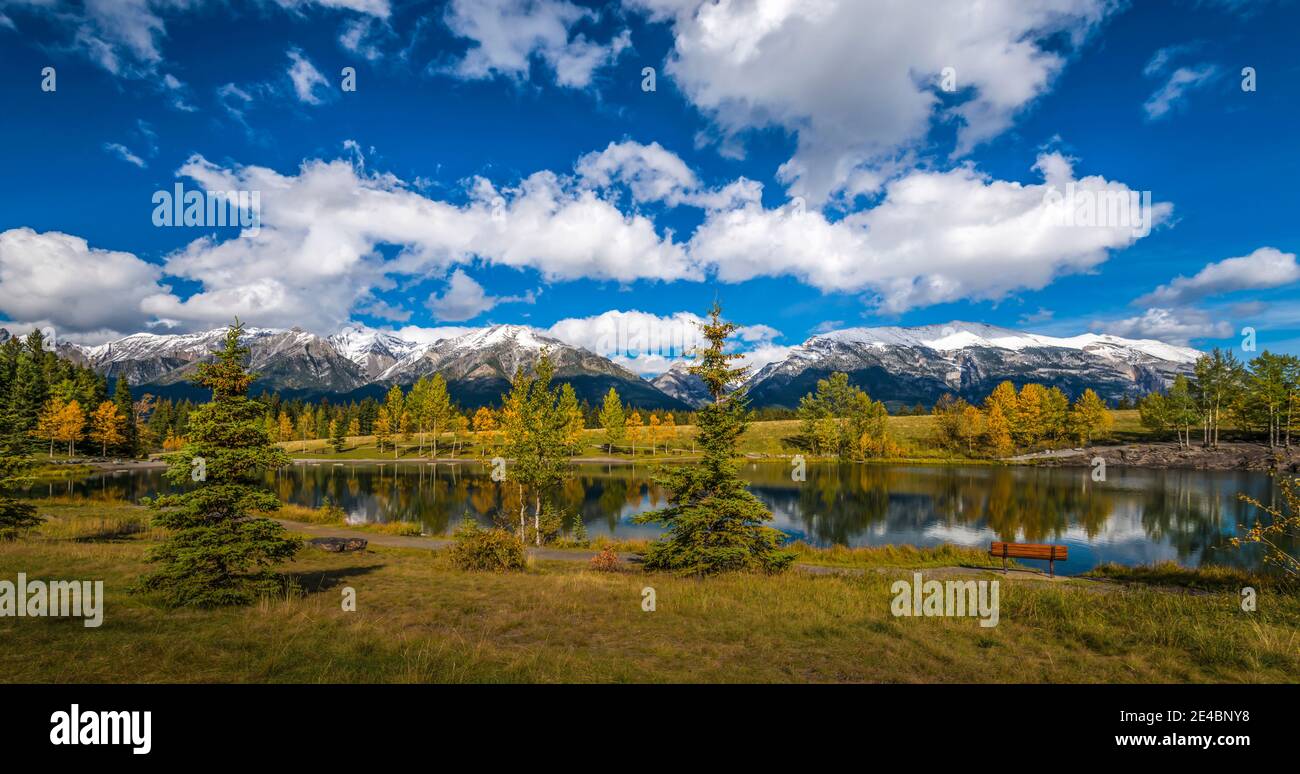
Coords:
1030,551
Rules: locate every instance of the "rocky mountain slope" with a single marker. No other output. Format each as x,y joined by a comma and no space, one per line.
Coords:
919,364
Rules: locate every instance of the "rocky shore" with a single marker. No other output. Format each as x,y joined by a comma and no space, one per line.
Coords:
1228,456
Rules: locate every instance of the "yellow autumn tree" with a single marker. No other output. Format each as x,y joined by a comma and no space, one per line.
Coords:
285,426
653,433
70,425
107,426
633,426
485,426
997,431
47,423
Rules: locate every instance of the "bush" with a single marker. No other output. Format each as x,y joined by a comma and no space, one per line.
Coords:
486,549
605,561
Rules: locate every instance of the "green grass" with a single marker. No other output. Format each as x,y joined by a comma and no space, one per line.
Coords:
769,439
911,557
420,620
1207,578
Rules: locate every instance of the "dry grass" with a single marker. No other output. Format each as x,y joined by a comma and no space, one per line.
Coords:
420,620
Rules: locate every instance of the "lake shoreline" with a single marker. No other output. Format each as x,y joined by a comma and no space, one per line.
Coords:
1169,455
1232,455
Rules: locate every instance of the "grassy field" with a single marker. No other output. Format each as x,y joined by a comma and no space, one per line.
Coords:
776,438
418,619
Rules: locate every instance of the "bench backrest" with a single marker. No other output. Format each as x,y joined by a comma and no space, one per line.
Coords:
1044,551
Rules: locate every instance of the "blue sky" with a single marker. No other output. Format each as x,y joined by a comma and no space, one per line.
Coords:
811,165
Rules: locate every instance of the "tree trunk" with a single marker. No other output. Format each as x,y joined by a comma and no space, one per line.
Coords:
537,518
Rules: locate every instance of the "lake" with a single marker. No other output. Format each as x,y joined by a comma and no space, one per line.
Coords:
1136,516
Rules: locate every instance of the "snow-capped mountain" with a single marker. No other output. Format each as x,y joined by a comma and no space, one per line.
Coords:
292,360
895,364
479,365
375,351
919,364
683,385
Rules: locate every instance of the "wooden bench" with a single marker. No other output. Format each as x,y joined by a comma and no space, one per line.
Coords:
1042,551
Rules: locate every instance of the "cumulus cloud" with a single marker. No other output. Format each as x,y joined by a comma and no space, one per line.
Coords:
855,80
85,293
465,299
316,255
648,343
936,237
506,35
653,174
1266,267
1172,326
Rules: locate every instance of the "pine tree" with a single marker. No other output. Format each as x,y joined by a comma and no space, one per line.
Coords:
219,552
612,419
337,437
714,523
130,442
15,516
30,389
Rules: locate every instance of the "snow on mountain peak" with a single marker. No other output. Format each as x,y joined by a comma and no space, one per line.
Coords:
957,335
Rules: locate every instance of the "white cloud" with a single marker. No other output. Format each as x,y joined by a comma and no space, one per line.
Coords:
1172,326
653,174
507,34
465,299
84,292
124,153
316,254
936,237
649,343
380,9
1175,89
855,80
1266,267
306,78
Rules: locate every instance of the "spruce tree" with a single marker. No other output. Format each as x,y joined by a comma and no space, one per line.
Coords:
715,524
126,407
221,549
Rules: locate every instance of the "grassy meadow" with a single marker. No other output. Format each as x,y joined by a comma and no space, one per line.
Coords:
770,439
418,619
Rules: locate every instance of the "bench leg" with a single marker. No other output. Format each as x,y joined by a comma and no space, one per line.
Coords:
1051,567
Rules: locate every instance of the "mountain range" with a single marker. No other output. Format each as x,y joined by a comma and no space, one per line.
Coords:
899,365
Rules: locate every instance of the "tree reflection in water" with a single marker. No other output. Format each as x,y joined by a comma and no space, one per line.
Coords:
1134,516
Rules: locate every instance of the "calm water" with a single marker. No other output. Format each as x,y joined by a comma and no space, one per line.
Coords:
1135,517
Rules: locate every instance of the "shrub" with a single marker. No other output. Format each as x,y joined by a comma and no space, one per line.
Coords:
605,561
486,549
